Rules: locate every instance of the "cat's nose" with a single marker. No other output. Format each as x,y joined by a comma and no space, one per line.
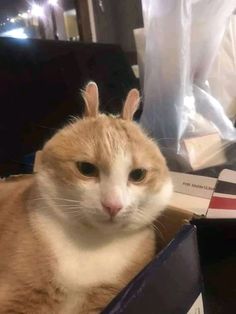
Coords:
112,208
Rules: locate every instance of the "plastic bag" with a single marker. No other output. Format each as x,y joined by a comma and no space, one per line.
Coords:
222,77
182,41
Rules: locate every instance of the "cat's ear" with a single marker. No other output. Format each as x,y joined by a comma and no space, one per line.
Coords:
91,98
131,104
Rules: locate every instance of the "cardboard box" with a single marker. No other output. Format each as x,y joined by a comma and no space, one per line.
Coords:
170,284
199,262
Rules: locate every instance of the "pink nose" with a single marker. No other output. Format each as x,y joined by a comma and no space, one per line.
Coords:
112,208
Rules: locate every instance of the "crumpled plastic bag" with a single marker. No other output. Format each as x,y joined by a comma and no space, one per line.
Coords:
182,41
222,77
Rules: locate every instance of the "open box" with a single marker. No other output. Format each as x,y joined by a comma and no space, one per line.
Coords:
195,271
199,261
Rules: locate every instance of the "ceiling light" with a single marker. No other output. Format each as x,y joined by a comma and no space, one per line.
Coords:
37,10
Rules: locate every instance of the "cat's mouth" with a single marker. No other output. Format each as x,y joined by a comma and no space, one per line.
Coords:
101,221
111,222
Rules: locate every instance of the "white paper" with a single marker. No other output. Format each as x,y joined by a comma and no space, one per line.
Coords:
192,192
197,307
198,186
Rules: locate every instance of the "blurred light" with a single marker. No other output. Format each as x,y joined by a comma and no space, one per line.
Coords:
12,20
53,2
16,33
37,10
8,19
25,15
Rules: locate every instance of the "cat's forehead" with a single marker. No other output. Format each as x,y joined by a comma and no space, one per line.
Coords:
102,133
104,140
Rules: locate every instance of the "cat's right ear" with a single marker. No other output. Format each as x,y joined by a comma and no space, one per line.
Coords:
91,98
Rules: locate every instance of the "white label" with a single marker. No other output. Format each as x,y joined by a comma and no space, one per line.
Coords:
197,307
193,185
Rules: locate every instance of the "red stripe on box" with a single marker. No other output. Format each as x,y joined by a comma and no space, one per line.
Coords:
222,203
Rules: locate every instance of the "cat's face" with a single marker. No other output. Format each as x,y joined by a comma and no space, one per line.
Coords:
104,172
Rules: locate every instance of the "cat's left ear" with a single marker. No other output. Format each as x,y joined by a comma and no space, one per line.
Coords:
91,99
131,104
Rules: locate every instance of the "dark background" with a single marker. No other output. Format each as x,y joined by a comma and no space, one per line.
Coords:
40,89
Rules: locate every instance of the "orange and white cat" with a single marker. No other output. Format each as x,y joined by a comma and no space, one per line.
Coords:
74,234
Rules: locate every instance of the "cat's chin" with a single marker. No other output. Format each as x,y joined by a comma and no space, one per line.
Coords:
104,226
110,227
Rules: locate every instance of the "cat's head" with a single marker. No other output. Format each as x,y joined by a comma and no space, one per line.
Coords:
103,171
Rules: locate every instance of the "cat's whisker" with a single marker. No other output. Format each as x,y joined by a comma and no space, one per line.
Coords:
141,215
65,209
72,213
75,214
160,224
71,210
154,226
158,231
55,198
62,205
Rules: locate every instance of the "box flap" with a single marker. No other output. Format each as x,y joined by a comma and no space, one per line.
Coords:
173,275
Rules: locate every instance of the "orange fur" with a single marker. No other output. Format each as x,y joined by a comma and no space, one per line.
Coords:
26,284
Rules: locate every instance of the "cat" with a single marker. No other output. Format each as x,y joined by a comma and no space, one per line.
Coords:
76,232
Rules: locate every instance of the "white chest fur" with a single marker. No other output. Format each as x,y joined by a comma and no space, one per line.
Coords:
80,266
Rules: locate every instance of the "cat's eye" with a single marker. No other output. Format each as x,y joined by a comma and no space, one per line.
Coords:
87,169
137,175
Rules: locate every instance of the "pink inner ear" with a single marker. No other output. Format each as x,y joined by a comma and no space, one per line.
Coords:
131,104
92,93
92,99
91,88
134,104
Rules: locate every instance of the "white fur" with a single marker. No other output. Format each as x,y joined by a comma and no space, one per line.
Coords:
114,186
86,258
81,265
